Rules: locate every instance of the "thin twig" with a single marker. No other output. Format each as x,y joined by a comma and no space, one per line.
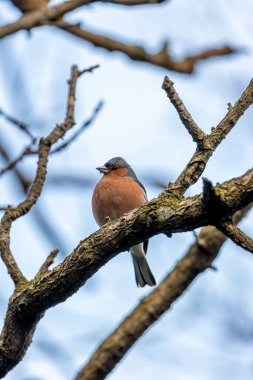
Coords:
49,261
233,115
89,70
41,219
22,126
236,235
197,134
209,143
3,208
11,214
24,182
26,152
86,124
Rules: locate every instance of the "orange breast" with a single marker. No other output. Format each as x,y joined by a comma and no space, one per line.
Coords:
113,196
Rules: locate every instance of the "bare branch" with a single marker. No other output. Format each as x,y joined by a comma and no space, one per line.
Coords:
17,123
11,214
197,134
218,215
152,307
86,124
191,60
49,261
204,151
39,17
236,235
43,222
26,152
138,53
89,69
53,16
160,215
22,180
233,115
30,5
3,208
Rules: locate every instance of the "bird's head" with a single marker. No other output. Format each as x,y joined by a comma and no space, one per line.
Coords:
116,166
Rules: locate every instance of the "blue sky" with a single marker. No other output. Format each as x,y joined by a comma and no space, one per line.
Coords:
137,122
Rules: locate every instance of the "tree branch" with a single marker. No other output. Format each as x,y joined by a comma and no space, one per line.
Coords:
11,214
49,261
30,301
24,182
3,208
219,216
236,235
30,5
198,258
168,213
41,219
53,16
28,151
17,123
39,17
197,134
86,124
206,143
138,53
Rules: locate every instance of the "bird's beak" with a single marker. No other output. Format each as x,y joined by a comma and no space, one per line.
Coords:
103,169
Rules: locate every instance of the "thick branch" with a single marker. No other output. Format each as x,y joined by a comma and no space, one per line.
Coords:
30,301
30,5
198,258
54,16
138,53
168,213
209,143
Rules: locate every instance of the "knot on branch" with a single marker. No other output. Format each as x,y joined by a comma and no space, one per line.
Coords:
215,208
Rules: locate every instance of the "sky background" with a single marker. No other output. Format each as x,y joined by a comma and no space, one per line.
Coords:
208,334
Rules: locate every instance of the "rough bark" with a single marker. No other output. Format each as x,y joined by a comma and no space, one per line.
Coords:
198,258
164,214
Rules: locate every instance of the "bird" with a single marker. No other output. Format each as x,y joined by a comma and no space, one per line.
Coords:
117,192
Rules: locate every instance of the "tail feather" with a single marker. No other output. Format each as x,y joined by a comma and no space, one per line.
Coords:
143,274
138,275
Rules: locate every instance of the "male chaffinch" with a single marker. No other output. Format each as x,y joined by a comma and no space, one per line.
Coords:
119,191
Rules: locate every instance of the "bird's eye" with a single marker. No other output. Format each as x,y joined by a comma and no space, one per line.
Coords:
114,167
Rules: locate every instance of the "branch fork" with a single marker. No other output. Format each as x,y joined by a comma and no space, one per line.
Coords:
169,212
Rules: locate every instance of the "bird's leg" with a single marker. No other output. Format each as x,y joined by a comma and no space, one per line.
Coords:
107,219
